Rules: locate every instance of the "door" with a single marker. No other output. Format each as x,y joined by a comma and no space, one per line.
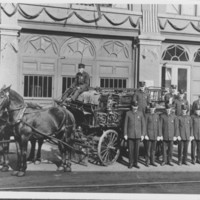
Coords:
177,75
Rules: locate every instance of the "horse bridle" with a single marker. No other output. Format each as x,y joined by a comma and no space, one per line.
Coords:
6,100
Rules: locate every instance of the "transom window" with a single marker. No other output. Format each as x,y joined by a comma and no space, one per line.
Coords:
37,86
175,53
113,82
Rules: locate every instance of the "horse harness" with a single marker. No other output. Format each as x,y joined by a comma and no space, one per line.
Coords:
22,112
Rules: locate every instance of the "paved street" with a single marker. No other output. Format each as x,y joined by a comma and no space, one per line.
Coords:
116,178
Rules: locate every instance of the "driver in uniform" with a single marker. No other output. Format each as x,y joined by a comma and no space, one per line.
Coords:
81,84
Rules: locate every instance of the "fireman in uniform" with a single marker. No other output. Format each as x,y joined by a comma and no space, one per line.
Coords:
153,134
169,129
185,134
81,84
134,131
172,95
196,133
195,105
142,97
179,102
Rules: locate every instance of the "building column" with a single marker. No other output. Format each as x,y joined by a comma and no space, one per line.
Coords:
9,34
149,45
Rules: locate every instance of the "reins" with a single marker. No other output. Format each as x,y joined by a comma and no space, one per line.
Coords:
53,139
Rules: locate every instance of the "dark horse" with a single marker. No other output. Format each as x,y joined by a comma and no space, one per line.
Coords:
5,133
39,124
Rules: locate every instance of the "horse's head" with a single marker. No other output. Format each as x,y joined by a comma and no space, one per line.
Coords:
4,97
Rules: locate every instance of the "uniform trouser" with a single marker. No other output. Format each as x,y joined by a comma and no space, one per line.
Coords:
195,145
151,150
167,149
68,92
77,93
183,150
133,147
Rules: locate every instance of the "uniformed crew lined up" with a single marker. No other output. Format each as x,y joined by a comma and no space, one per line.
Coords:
173,125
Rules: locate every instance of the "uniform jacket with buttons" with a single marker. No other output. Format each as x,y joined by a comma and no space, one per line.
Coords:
134,125
152,125
185,127
143,99
169,126
177,105
82,81
196,126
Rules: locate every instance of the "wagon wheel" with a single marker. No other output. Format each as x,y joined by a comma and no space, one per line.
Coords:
108,147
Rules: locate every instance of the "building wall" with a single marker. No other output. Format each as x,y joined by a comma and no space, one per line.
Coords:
121,43
58,56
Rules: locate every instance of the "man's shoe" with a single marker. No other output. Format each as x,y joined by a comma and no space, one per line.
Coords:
169,163
185,163
137,166
179,163
198,161
147,164
193,162
163,163
130,166
154,164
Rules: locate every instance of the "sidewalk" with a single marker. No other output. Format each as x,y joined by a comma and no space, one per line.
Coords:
50,155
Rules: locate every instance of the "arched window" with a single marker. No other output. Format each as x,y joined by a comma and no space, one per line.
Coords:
197,56
175,53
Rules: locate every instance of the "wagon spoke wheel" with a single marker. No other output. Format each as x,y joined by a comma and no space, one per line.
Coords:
108,147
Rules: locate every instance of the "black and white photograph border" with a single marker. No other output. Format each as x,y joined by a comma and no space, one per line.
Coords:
42,45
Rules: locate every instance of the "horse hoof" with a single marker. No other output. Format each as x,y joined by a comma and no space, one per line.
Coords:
60,169
68,169
29,161
20,174
5,169
37,162
14,173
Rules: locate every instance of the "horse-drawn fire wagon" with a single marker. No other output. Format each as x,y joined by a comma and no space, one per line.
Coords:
91,127
100,119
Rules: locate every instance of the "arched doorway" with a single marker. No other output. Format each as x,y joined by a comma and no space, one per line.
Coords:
175,69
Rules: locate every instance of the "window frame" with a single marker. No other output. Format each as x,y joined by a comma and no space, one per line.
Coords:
38,75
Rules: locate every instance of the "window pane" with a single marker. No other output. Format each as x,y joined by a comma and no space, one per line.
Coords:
124,83
106,85
120,84
37,86
182,79
102,83
166,77
112,83
26,87
66,83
